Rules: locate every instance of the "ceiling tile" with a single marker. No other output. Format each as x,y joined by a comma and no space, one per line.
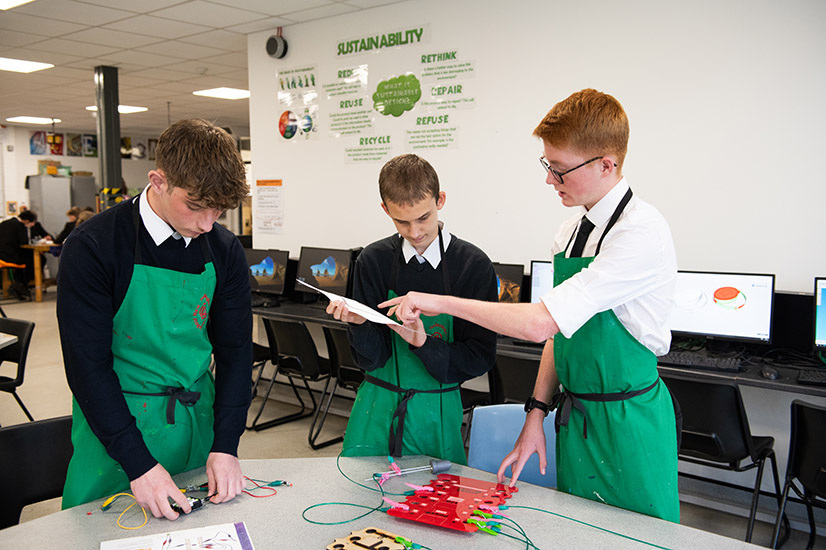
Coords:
235,59
273,8
144,59
43,57
83,49
156,26
36,25
262,25
320,13
107,37
161,74
75,12
182,50
205,13
200,68
224,39
144,6
16,39
370,3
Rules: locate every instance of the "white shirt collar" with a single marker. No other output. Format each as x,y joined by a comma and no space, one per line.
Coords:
602,211
158,229
431,254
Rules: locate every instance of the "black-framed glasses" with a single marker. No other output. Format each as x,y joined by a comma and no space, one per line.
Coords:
558,175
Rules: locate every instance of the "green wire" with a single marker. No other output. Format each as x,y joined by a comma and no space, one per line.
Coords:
589,525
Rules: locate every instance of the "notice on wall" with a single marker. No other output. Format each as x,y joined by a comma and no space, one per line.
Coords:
369,149
350,111
298,104
269,207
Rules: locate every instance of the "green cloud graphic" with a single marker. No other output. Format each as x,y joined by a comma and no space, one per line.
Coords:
397,95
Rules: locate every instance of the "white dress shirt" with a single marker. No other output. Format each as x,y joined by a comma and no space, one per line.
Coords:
634,274
431,253
158,229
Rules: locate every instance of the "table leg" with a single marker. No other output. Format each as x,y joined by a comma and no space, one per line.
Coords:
38,277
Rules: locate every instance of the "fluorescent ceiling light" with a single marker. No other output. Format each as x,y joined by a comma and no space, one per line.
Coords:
224,93
33,120
9,4
122,109
21,66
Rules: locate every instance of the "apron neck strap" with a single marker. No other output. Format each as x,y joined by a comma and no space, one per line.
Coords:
614,217
398,258
136,220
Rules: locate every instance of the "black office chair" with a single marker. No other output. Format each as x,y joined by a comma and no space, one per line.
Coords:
261,355
716,433
295,356
348,376
517,376
807,464
16,353
34,458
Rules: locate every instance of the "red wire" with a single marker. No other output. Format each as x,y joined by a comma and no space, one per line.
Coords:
259,486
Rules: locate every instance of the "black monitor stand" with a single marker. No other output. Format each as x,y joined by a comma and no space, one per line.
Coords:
265,300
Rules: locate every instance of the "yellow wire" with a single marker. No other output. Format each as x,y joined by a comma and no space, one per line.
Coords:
108,502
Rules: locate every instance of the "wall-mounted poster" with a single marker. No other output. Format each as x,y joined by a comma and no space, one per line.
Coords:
11,208
37,143
139,149
90,145
126,147
74,145
152,144
55,142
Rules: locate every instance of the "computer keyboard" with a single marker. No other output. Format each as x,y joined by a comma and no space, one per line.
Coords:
692,360
812,377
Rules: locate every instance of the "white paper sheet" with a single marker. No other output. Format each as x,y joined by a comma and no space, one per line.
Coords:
228,536
356,307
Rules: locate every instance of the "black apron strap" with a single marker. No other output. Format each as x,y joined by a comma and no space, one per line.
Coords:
398,258
187,398
136,219
397,432
614,217
566,400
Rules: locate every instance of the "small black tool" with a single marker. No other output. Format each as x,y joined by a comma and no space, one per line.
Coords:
194,503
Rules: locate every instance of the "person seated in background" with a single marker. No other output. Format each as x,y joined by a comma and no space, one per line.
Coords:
14,233
72,215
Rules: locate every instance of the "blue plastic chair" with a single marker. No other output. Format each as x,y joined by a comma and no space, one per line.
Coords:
493,434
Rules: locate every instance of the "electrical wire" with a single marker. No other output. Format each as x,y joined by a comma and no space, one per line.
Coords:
589,525
109,501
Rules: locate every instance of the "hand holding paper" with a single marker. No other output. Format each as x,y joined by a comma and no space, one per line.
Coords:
355,307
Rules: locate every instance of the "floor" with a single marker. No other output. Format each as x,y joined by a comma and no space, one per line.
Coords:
47,395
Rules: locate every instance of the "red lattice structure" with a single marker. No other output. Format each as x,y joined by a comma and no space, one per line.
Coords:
452,501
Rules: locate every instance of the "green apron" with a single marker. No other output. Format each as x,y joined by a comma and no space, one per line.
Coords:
402,399
161,356
616,442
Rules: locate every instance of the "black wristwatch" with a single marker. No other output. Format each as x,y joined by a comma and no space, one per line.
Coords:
533,403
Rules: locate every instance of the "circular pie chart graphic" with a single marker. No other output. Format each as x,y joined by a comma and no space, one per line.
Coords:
288,124
729,297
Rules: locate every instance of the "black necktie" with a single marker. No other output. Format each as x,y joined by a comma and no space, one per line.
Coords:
585,228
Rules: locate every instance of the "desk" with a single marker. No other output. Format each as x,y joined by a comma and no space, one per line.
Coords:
38,269
7,339
276,522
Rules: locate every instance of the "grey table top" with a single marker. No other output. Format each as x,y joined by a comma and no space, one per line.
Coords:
277,522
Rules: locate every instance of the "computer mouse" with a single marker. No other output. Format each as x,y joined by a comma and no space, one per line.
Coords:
769,373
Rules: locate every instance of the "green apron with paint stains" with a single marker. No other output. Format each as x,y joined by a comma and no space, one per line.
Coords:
400,409
619,445
161,356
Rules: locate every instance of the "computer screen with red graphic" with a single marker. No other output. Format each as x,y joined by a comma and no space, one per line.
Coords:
726,306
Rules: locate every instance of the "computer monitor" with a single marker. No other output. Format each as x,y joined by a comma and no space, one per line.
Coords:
509,281
267,270
324,268
727,306
820,313
542,278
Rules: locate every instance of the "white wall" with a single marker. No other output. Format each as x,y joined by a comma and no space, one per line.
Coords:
724,99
